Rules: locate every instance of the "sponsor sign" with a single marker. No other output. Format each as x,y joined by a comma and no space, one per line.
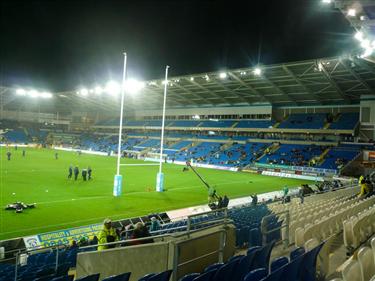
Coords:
61,237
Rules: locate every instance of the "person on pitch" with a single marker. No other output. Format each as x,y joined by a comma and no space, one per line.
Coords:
84,174
76,173
56,155
70,172
8,155
89,171
23,153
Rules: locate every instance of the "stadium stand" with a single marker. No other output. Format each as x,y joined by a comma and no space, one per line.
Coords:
303,121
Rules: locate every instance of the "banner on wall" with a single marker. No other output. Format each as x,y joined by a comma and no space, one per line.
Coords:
61,237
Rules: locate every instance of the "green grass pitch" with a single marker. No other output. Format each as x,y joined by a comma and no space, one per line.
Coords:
62,203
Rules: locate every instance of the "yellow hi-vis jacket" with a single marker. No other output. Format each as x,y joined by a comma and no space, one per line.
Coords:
102,237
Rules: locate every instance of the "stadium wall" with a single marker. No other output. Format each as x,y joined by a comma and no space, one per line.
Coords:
192,253
240,110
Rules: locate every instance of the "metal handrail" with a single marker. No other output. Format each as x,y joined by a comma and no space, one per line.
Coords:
285,225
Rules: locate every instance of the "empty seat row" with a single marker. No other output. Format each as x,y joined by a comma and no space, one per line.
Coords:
358,228
330,223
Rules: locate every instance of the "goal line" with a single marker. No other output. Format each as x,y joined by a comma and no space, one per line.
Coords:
156,164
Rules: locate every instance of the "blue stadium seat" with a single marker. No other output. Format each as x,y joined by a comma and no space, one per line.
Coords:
146,277
296,253
214,266
121,277
162,276
92,277
255,237
292,270
206,276
278,263
308,270
64,278
225,272
189,277
262,257
243,268
275,275
256,274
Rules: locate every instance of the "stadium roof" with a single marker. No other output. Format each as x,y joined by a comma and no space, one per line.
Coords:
337,80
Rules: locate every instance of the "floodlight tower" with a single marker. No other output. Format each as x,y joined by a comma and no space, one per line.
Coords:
160,175
117,186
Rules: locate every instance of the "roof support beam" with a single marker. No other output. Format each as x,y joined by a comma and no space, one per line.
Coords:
333,83
287,70
249,87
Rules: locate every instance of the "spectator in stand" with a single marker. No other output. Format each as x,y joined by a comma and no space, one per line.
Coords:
225,201
140,231
155,224
106,235
254,198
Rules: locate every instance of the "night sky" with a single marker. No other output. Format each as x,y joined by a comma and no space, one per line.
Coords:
61,45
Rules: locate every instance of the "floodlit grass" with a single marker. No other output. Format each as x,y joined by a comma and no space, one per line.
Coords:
62,203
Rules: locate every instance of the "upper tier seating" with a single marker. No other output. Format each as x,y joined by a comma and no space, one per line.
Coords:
346,121
184,123
217,124
255,124
304,121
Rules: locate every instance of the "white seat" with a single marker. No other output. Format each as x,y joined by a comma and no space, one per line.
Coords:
311,244
352,271
373,247
366,263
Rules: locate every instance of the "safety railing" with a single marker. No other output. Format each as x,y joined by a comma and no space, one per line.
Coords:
284,225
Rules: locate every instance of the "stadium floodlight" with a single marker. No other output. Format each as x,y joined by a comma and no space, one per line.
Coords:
112,88
257,71
207,77
98,90
352,12
223,75
359,36
365,44
21,92
326,1
84,92
133,86
33,93
45,95
191,78
91,91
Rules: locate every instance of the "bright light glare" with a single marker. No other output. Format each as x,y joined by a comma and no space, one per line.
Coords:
84,92
33,93
196,117
359,36
191,78
223,75
326,1
21,92
98,90
257,71
45,95
351,12
133,86
365,44
112,88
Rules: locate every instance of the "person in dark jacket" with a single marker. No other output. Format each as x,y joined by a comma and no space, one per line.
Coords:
70,172
76,173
